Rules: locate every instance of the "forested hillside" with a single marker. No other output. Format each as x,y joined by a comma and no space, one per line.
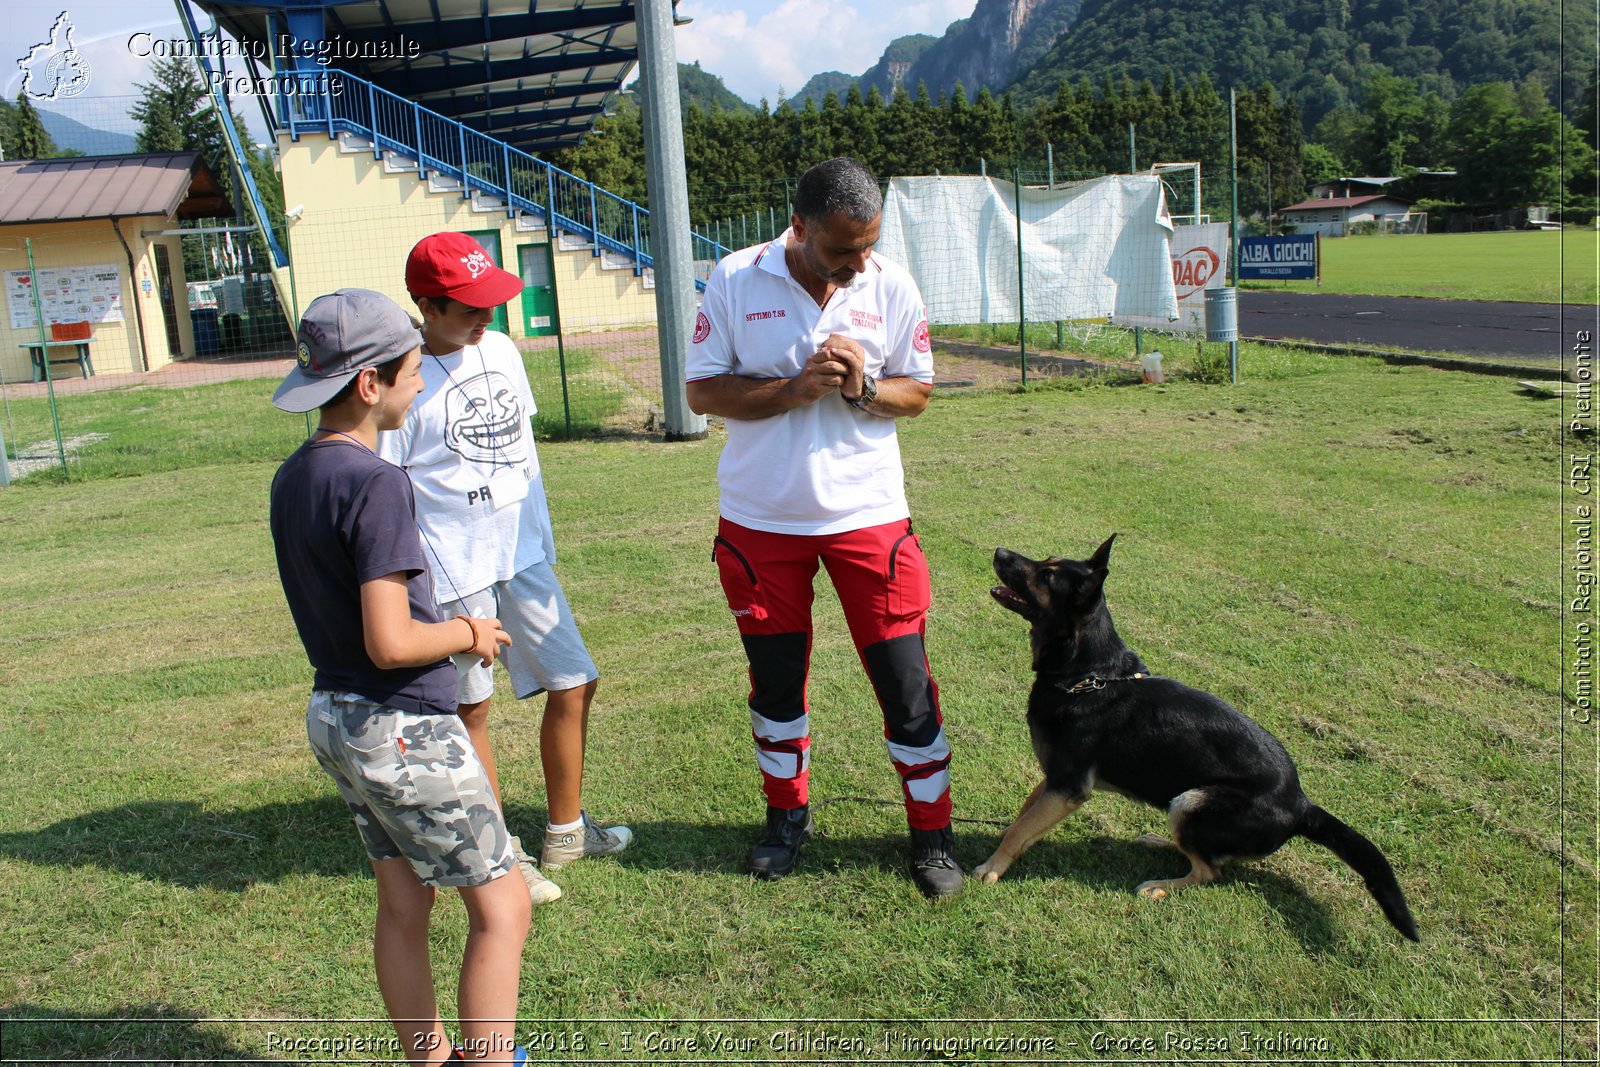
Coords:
1321,52
1326,88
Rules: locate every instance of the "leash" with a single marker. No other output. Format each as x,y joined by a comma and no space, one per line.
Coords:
1094,683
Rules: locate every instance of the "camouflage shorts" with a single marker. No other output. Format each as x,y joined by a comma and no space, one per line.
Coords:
415,786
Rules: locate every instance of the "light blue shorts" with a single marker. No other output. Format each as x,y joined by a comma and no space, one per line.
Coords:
547,652
415,786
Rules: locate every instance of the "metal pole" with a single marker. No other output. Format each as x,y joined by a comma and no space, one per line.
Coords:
5,467
1269,196
44,350
1022,318
668,188
1133,156
1233,153
1050,164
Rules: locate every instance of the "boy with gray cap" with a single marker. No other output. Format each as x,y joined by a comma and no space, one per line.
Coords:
382,718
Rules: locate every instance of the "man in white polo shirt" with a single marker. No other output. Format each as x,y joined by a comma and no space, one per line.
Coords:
810,347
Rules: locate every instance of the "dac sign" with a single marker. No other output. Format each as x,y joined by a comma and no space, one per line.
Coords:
1193,270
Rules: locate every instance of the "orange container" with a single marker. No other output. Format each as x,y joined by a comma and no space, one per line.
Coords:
69,331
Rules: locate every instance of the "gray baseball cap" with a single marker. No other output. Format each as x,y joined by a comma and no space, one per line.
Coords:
340,335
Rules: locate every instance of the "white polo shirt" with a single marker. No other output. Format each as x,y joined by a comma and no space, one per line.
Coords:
826,467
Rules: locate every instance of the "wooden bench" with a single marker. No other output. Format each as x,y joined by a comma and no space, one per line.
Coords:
79,355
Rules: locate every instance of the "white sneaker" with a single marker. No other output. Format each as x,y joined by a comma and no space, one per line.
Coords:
541,890
589,839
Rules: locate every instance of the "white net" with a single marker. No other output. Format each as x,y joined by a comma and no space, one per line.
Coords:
1089,250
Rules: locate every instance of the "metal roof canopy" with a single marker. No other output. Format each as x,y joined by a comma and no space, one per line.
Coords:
78,188
536,74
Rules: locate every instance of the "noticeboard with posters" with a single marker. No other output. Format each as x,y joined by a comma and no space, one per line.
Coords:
90,293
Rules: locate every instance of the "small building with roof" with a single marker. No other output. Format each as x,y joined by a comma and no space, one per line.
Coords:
1333,215
90,245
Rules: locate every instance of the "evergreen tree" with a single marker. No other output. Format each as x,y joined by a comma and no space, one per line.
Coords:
27,138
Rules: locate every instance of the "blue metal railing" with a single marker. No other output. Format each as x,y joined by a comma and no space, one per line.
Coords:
442,147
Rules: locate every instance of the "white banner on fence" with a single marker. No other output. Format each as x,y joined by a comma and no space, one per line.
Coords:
1199,262
1089,250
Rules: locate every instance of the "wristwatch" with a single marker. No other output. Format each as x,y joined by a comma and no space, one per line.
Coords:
869,393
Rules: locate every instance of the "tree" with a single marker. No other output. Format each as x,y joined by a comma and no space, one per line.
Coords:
26,137
175,114
1505,158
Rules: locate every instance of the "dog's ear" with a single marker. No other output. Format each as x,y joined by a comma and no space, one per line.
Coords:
1102,556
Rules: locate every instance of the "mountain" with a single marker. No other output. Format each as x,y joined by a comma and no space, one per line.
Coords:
700,88
891,70
819,86
1001,39
1320,52
70,134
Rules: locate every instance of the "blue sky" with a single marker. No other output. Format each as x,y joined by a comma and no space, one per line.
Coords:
759,47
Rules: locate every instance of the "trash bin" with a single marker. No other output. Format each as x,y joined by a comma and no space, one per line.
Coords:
206,335
1222,314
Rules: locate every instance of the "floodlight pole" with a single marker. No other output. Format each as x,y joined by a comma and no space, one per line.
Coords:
668,189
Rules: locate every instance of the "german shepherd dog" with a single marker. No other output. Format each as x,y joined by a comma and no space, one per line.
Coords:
1100,720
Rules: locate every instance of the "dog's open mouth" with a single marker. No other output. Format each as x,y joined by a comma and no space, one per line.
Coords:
1007,597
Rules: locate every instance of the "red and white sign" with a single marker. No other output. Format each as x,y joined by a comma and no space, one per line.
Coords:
1199,262
702,327
1193,271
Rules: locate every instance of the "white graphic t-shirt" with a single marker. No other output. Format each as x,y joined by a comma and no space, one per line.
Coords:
467,444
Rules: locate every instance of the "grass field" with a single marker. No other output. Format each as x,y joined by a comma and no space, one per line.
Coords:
1361,557
1552,266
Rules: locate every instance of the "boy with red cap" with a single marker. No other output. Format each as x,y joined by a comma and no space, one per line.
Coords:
381,720
468,446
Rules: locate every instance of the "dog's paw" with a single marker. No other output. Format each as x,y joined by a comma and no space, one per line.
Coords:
988,874
1152,890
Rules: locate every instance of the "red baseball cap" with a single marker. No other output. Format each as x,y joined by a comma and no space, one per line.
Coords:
456,266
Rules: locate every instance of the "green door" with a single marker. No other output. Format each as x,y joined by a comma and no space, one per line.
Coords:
538,291
490,240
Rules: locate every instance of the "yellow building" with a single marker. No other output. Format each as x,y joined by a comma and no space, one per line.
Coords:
103,254
354,214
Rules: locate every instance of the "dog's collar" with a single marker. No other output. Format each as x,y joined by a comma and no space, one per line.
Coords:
1094,682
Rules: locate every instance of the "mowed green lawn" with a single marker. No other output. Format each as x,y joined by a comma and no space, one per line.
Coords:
1555,267
1361,557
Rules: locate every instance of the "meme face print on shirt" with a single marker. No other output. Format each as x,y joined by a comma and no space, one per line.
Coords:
485,421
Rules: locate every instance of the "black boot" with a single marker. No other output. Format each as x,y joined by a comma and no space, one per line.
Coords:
933,862
773,856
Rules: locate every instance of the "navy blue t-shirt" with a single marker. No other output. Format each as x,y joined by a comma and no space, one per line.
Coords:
341,516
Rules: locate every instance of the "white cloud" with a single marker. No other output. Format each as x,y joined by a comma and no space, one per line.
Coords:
760,46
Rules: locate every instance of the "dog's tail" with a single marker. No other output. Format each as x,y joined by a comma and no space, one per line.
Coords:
1365,859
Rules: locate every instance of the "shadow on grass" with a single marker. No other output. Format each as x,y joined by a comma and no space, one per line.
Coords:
139,1033
181,843
1114,865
